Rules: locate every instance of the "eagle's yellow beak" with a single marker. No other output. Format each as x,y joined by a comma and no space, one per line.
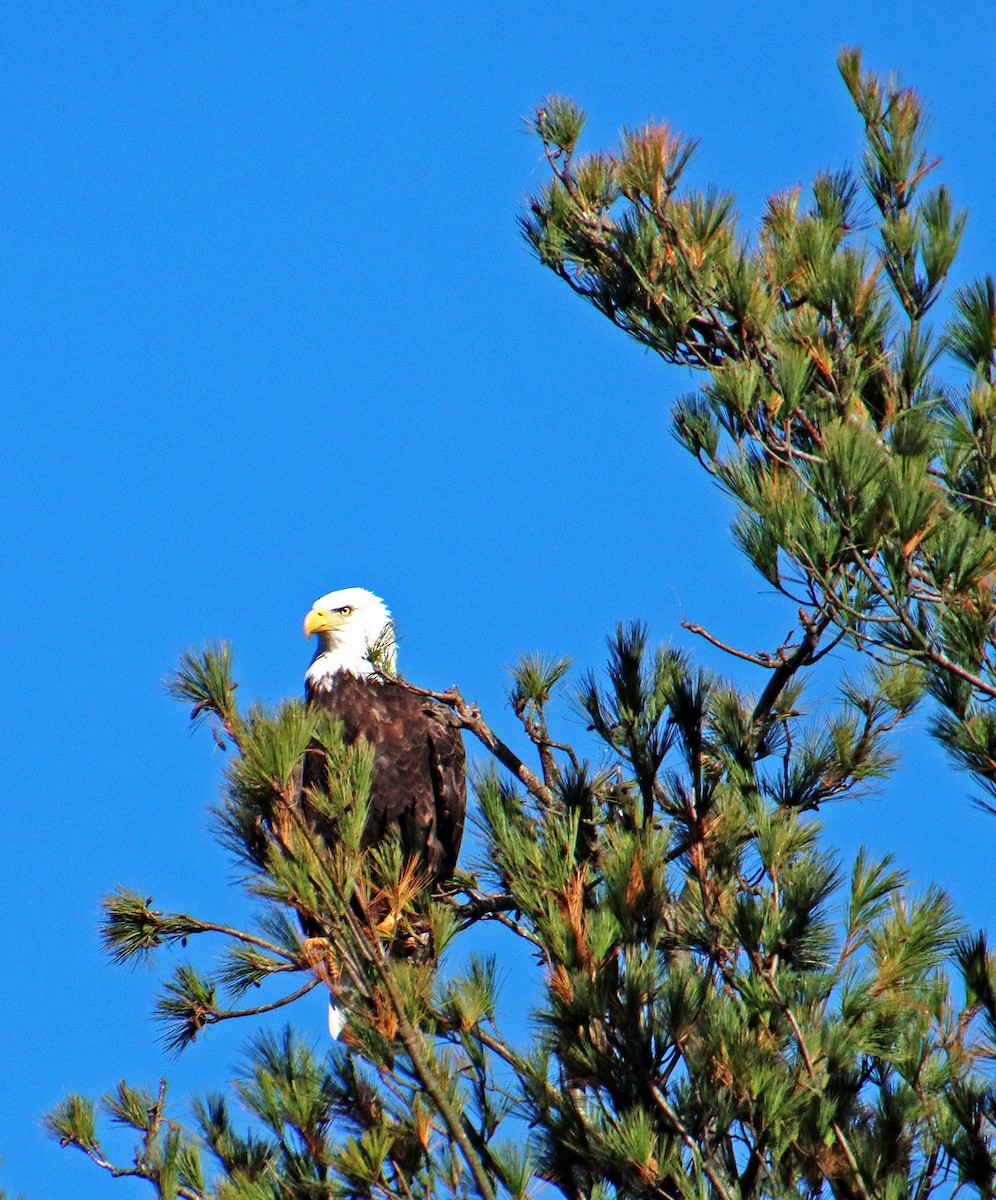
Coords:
319,620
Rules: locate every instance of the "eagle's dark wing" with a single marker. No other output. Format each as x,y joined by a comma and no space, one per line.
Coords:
448,766
419,776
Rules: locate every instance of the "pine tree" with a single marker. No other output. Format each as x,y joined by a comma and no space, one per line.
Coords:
721,1008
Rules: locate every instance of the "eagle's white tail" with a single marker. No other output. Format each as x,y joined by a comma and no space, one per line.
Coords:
337,1020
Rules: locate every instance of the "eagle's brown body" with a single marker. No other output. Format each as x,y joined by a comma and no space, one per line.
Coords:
419,767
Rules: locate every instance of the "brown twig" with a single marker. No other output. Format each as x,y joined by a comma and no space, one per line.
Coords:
761,659
272,1006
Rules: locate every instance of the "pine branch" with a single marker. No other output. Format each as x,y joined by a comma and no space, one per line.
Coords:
415,1047
469,717
72,1123
768,976
480,904
535,678
698,1158
205,682
190,1006
131,928
792,662
760,659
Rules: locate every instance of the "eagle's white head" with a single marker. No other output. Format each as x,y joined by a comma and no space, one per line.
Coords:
355,634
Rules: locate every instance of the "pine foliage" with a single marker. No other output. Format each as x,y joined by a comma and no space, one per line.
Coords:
721,1009
865,486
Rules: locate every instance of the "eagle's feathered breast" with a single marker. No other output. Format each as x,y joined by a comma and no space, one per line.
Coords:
419,774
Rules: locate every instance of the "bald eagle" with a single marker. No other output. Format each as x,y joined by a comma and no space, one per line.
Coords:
419,783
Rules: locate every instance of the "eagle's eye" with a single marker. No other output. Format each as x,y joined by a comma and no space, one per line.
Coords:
345,610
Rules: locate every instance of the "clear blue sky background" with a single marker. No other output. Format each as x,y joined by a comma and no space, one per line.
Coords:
268,329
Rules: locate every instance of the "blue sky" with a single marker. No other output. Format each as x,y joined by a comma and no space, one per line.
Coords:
268,329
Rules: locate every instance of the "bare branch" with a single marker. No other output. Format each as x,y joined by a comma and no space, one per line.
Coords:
469,717
761,659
